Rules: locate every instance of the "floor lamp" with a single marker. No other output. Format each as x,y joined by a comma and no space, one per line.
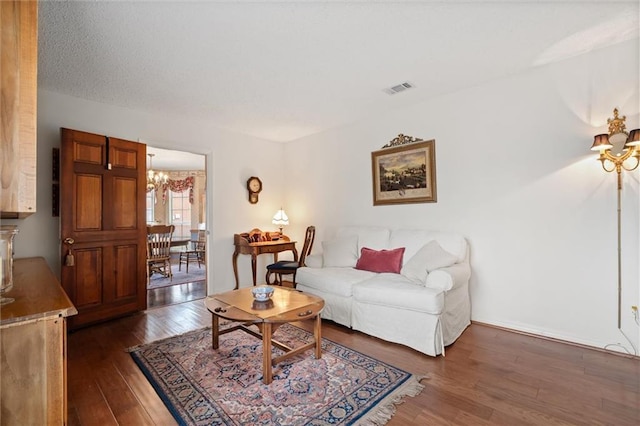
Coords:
619,150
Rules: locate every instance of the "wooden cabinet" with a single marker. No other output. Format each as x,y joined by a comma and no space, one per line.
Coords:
18,91
33,347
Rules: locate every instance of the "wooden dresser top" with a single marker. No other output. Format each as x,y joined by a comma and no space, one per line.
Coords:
37,293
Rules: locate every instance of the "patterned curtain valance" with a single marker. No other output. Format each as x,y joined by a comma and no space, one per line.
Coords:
177,185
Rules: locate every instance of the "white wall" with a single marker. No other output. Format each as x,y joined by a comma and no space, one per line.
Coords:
516,177
231,159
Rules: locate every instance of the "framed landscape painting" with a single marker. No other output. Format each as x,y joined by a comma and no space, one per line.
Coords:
404,174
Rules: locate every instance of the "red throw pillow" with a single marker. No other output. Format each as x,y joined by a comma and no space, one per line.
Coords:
380,260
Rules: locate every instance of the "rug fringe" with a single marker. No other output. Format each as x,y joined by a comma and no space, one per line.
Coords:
385,410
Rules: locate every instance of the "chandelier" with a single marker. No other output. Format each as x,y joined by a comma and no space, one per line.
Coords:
155,179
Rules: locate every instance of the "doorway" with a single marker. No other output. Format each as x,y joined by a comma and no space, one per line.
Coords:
176,195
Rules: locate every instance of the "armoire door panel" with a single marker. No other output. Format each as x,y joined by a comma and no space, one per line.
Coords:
124,214
88,152
126,266
88,211
88,277
121,157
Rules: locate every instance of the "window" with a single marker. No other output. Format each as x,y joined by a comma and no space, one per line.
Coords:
151,202
180,209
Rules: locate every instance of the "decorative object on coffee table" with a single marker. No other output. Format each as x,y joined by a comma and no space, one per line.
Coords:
200,385
262,293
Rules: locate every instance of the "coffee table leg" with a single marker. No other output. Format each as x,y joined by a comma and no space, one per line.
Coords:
266,353
317,332
215,332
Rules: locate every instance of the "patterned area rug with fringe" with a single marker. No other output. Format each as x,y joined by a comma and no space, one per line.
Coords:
201,386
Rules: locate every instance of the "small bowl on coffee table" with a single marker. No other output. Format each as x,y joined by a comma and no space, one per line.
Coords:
262,293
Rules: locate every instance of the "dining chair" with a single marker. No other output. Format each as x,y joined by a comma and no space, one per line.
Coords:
159,250
290,267
196,252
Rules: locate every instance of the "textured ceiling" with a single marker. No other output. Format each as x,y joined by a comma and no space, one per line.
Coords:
285,70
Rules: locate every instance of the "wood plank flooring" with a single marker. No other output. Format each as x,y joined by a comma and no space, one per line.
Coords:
178,293
488,377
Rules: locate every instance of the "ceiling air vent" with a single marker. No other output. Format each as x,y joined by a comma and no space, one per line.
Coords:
399,88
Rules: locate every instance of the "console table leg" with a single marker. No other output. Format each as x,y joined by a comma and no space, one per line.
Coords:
235,268
254,267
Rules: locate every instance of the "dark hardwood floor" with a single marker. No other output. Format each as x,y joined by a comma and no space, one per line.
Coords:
489,376
178,293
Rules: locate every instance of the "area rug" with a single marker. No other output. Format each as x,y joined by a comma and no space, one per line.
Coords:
179,277
201,386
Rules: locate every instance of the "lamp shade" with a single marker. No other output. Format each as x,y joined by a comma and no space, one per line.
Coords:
280,218
634,138
601,142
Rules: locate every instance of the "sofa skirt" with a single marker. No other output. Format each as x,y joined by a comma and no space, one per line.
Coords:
418,330
336,308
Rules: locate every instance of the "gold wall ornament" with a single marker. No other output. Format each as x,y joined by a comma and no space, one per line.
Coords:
401,140
616,124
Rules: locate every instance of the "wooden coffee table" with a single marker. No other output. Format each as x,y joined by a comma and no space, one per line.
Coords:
286,305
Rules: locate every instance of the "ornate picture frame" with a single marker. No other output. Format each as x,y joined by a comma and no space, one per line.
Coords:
404,171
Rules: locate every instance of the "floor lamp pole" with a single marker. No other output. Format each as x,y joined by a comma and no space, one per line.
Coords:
619,250
618,169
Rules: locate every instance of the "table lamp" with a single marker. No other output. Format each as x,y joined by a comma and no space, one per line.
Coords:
280,219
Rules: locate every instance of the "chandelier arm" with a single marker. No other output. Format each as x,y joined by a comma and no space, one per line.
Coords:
629,169
618,161
617,158
602,160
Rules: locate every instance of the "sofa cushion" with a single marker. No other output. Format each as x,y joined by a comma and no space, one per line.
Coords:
429,258
368,236
341,252
394,290
414,239
411,239
337,281
313,261
435,257
380,260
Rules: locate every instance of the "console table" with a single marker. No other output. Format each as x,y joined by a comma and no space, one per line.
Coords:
244,244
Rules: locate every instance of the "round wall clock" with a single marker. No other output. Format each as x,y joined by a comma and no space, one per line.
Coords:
254,186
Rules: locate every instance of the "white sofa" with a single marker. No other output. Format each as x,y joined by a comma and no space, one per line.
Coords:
426,306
